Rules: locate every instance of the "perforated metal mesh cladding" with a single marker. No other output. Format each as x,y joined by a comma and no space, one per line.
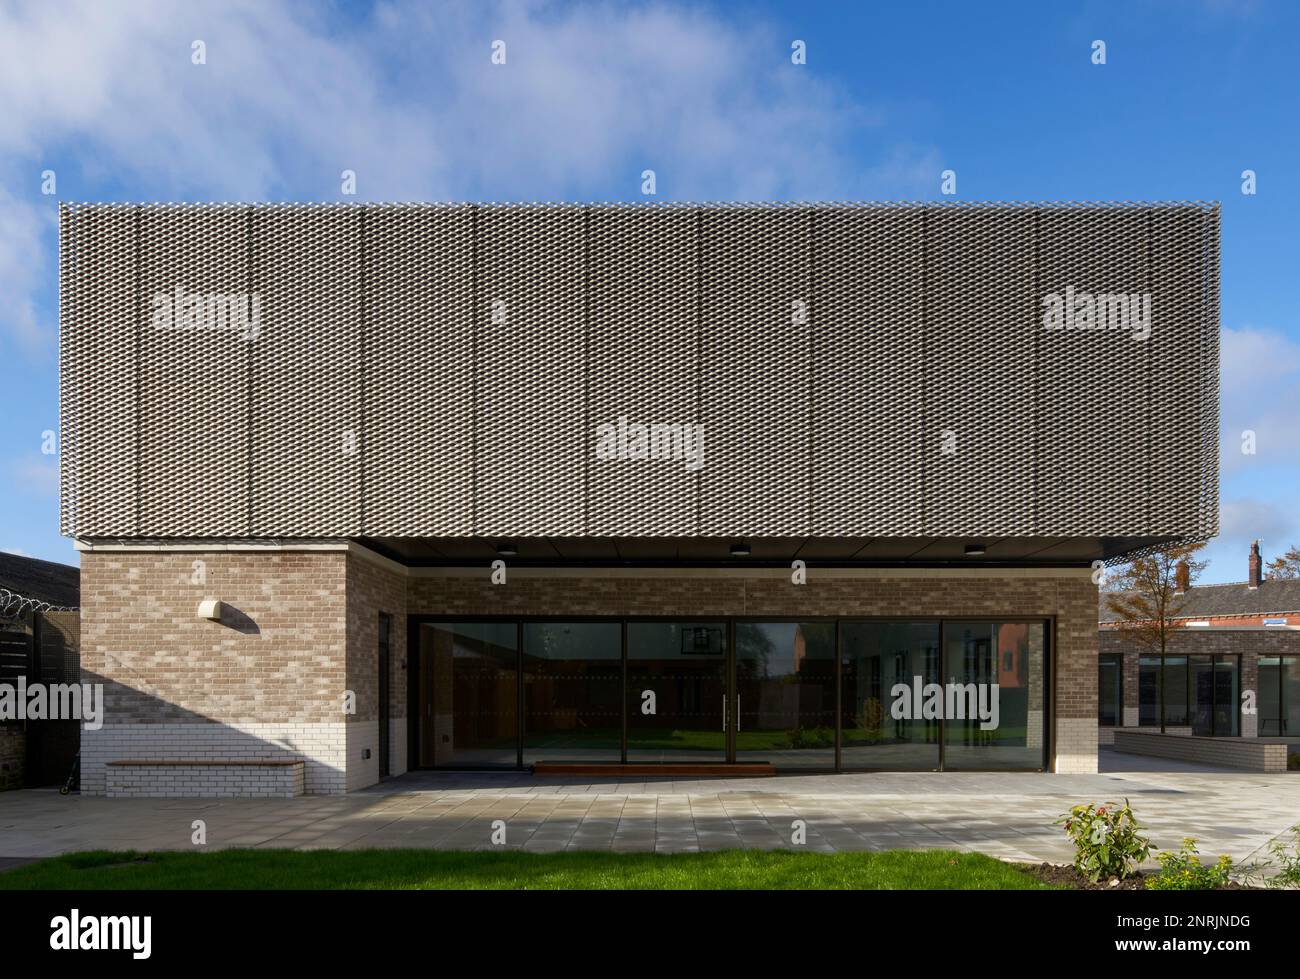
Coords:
441,370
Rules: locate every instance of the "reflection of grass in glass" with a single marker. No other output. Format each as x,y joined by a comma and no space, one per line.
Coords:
803,739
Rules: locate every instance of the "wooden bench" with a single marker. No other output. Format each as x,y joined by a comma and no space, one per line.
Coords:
651,770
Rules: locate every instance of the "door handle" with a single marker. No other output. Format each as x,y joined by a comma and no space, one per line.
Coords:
724,713
737,712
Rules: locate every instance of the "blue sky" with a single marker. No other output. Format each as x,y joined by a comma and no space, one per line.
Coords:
105,94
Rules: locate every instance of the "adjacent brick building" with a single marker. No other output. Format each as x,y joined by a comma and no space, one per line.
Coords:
1231,667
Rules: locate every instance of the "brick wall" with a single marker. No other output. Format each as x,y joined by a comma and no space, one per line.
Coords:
371,590
265,682
278,655
13,751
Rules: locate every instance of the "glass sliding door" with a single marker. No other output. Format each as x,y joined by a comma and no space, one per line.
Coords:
676,691
573,692
784,703
469,703
994,688
883,727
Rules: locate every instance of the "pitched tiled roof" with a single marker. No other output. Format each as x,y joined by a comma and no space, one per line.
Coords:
45,581
1273,596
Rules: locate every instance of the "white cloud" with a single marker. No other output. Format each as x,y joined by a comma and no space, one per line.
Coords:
25,233
1241,521
1260,391
39,477
589,97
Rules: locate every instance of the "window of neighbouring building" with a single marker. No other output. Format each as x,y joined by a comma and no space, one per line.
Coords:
1110,680
1200,692
1216,695
1162,691
1279,696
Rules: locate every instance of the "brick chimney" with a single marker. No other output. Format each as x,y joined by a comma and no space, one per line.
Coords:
1182,578
1256,567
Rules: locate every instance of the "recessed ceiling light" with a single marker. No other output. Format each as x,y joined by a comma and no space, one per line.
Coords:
974,550
740,550
507,550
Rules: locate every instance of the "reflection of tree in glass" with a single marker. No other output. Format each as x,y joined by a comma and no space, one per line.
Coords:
754,646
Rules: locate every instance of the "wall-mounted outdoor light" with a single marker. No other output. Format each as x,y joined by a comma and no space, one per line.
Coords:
210,608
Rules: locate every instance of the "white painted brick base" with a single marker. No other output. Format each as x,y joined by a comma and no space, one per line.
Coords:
1076,745
397,745
204,781
321,746
362,736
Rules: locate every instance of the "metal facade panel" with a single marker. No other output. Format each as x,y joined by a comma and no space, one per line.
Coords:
194,372
107,314
440,371
307,430
1095,383
69,370
419,349
980,324
643,348
868,371
1208,382
755,371
531,434
1175,352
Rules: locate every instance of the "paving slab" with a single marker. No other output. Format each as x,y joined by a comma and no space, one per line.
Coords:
1010,815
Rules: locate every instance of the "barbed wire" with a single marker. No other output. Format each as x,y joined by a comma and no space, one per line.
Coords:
13,605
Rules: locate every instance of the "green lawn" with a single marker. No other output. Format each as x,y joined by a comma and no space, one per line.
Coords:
459,870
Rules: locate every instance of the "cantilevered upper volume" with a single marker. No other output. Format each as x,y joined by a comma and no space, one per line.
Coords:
864,383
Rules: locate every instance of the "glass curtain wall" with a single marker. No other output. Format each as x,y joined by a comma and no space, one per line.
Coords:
812,695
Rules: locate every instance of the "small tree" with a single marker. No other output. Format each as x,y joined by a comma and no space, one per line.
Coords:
1146,601
1286,566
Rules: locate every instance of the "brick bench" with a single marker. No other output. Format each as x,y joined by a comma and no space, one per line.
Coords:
1250,754
280,778
1106,732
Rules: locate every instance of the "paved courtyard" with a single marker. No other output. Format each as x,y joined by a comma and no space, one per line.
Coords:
1004,815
